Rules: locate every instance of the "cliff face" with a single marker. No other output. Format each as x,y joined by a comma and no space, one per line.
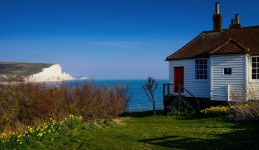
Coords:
51,74
32,72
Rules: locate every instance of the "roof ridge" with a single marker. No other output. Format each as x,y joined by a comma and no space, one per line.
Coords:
240,45
228,41
217,48
211,31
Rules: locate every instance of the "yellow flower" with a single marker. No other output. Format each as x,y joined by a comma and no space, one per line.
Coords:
40,134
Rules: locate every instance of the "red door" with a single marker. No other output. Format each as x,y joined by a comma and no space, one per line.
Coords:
178,79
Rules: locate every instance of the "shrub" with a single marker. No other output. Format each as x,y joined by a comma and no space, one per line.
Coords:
23,104
182,107
245,111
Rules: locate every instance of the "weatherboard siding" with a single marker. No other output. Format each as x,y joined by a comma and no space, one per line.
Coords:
199,88
228,87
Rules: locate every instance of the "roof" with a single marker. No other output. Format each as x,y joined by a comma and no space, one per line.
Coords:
228,41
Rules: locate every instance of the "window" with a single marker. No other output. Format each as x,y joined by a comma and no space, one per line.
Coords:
227,71
201,71
255,67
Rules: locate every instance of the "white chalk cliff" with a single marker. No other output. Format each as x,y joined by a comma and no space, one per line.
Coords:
51,74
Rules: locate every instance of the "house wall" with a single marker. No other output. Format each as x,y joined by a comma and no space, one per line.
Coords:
199,88
252,85
228,87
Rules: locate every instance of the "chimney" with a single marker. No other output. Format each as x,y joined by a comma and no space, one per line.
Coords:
235,23
232,24
217,19
238,21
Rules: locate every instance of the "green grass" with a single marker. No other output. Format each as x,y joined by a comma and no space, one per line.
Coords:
157,132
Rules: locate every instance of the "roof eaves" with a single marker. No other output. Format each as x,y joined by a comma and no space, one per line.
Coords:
168,58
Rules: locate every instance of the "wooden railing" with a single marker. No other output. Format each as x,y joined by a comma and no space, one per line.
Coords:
168,90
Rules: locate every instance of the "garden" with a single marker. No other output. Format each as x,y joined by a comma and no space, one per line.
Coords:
92,117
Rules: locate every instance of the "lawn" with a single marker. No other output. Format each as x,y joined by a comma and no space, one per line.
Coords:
157,132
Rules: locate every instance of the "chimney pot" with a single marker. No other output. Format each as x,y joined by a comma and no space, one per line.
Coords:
217,8
233,21
237,19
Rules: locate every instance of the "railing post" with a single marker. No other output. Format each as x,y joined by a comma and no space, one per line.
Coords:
179,95
164,90
168,89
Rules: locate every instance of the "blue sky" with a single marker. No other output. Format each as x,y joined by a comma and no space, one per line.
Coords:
109,39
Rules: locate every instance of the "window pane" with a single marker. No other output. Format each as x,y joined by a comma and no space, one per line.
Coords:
201,69
257,59
254,59
253,65
227,70
253,76
253,70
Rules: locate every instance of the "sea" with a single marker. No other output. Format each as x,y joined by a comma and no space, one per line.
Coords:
138,101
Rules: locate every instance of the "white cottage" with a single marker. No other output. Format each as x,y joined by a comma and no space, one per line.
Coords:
220,65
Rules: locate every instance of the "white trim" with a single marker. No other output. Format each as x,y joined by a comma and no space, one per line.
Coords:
253,80
246,76
211,76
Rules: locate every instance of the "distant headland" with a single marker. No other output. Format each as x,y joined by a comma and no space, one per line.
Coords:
32,72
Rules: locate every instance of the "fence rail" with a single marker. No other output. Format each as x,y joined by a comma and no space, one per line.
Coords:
143,107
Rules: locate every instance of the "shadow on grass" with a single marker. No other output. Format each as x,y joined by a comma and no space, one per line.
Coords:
245,137
142,114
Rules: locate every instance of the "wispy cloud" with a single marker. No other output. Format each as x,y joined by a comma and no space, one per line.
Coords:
116,44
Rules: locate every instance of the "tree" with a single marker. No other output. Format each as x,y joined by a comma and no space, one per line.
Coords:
149,88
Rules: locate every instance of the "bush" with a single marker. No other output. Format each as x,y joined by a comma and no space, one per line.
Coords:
182,107
248,111
23,104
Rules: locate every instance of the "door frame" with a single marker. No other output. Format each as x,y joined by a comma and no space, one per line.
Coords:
181,69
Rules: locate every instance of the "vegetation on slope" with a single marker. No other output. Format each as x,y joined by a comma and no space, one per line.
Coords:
10,69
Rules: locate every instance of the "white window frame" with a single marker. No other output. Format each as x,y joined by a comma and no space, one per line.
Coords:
257,68
195,69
